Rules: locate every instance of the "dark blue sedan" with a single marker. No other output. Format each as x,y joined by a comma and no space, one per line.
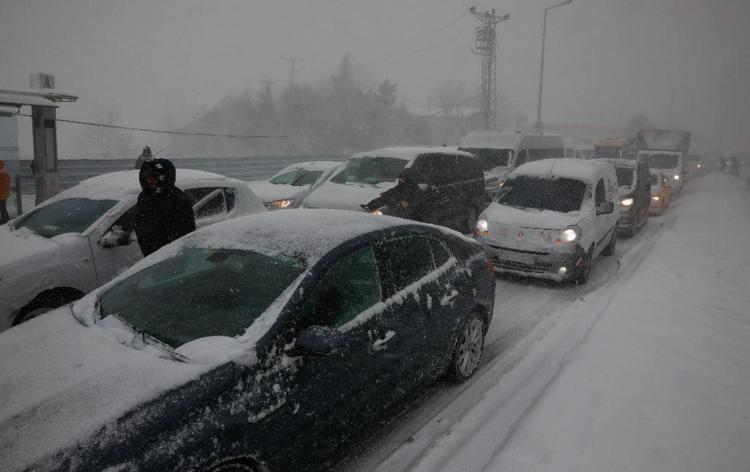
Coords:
271,342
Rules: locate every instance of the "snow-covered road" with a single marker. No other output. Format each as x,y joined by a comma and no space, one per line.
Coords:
647,367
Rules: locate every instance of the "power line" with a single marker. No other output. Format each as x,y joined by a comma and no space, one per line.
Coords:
162,131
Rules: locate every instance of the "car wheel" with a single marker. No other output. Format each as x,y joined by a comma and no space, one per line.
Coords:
44,303
239,465
610,249
585,270
468,349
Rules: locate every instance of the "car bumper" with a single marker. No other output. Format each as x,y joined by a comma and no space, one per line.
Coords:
550,265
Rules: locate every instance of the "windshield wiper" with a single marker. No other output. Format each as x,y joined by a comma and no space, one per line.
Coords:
149,338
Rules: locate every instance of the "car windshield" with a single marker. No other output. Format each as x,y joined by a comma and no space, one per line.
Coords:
543,193
491,158
662,161
297,177
201,292
625,176
370,170
70,215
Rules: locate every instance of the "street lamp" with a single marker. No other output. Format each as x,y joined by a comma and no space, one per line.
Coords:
539,126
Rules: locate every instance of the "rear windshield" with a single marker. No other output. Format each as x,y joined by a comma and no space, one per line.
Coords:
608,152
662,161
370,170
71,215
543,193
625,176
491,158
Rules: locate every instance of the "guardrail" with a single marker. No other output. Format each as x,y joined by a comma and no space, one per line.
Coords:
73,171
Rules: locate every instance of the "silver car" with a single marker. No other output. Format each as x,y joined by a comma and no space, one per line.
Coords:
80,239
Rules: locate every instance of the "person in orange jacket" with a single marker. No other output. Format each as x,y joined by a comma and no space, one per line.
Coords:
4,193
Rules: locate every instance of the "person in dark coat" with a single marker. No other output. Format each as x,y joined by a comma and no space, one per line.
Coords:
163,212
403,200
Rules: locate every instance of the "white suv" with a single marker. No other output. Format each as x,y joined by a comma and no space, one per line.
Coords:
81,239
552,218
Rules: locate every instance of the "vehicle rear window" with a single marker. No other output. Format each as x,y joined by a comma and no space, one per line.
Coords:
370,170
543,193
491,158
662,161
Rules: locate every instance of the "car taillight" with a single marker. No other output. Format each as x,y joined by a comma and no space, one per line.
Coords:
490,265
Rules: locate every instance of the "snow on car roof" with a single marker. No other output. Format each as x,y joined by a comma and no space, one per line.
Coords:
307,233
116,185
570,168
409,153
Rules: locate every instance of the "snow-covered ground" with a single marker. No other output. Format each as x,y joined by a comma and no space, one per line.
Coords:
645,368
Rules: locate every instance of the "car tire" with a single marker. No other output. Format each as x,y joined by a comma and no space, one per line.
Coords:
238,465
610,248
46,302
585,271
467,350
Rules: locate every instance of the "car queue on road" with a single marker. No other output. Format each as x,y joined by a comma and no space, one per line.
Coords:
308,324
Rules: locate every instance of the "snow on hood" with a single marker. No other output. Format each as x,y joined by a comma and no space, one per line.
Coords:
62,381
345,196
531,218
268,192
21,243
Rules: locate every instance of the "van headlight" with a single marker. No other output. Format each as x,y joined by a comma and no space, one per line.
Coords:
570,234
377,212
677,176
282,203
483,227
626,202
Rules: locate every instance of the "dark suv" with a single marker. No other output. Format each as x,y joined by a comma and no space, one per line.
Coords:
438,186
634,182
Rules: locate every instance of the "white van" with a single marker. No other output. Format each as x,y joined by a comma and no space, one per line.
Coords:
552,218
502,151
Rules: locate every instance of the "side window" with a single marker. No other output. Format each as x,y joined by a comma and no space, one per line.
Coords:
601,195
404,261
347,289
522,158
536,154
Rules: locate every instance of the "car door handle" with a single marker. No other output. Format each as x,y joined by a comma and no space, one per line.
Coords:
382,343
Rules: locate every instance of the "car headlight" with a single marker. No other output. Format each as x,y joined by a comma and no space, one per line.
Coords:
500,183
626,202
677,176
656,198
377,212
569,234
282,203
483,227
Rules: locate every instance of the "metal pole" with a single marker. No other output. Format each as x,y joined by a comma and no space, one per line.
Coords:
19,202
539,125
671,105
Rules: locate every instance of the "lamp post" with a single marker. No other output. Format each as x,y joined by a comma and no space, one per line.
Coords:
539,125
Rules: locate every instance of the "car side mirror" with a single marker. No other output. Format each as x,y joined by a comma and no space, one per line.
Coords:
605,208
115,237
319,341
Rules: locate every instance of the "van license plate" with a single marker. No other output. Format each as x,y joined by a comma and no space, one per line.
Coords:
521,257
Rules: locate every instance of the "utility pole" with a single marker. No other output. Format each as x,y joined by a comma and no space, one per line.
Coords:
292,70
486,46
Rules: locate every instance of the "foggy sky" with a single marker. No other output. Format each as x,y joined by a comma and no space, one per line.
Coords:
158,63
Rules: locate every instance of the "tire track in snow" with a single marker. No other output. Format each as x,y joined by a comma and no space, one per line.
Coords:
518,368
